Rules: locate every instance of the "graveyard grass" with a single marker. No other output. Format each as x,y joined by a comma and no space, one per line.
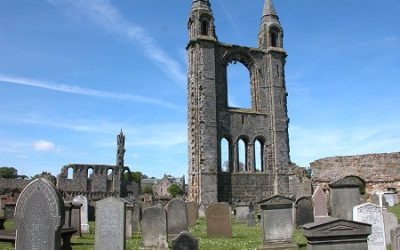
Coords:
243,238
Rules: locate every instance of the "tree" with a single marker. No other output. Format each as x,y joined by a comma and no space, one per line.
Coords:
175,190
8,172
135,176
147,189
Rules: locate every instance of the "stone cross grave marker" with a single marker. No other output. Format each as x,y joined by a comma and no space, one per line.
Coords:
80,199
320,201
177,217
39,216
154,228
218,220
110,224
372,214
304,211
193,212
185,241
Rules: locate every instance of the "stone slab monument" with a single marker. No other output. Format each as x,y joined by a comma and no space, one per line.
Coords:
177,217
39,217
193,212
337,234
390,223
304,211
185,241
372,214
242,210
80,199
277,223
129,220
320,201
218,220
110,224
137,217
154,228
395,238
251,220
76,217
344,195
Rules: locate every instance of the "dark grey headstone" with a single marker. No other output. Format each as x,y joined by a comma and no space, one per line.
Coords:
332,233
154,228
137,217
176,217
277,219
372,214
251,220
68,214
218,220
185,241
304,211
193,212
76,217
39,216
344,195
110,224
395,238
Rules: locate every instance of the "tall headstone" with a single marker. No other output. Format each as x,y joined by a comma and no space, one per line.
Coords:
154,228
80,199
39,216
320,201
304,211
185,241
390,223
277,223
372,214
129,220
336,234
251,220
68,214
76,217
344,195
395,238
177,217
137,217
218,220
110,224
193,212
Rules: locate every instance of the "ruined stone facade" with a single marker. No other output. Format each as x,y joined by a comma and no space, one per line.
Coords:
378,171
211,119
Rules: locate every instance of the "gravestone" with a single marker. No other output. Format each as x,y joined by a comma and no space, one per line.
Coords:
80,199
68,214
154,228
336,234
218,220
185,241
129,220
372,214
277,223
251,220
193,212
391,198
242,210
344,195
177,217
395,238
320,201
379,199
39,216
137,217
76,217
390,222
304,211
110,224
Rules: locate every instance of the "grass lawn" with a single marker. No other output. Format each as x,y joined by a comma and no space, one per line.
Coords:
243,238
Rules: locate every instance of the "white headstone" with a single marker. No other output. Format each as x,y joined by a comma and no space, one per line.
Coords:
84,212
372,214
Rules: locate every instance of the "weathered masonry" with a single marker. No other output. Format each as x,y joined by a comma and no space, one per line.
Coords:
212,123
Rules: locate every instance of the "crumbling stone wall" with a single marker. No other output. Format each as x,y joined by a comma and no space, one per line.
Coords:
379,171
10,185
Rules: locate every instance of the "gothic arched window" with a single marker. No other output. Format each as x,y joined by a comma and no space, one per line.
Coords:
204,28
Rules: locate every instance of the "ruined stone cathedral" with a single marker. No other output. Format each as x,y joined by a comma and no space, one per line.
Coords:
211,120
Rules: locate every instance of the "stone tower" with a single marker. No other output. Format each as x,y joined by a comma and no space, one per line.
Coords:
211,119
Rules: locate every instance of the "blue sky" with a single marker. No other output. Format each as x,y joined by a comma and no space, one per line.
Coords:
75,72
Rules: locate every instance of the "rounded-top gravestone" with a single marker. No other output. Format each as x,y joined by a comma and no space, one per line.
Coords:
80,199
177,217
154,228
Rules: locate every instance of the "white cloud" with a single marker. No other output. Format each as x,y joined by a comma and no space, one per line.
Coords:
73,89
104,14
43,145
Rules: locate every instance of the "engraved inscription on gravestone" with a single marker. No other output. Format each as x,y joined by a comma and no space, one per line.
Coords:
39,216
218,220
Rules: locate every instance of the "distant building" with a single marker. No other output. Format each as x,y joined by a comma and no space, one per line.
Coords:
160,186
